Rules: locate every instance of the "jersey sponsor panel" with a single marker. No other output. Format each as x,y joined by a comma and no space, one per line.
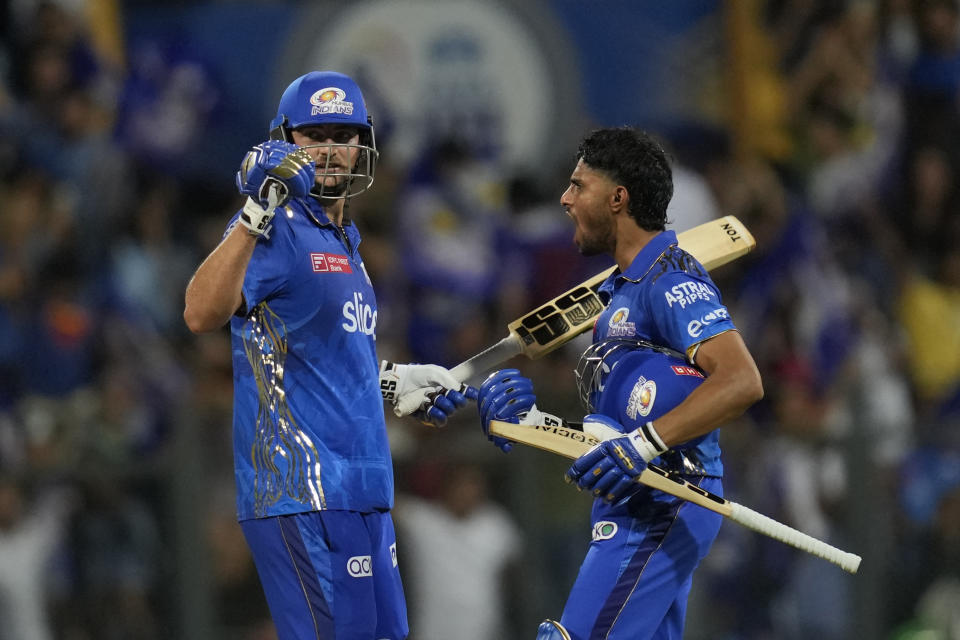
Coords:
688,292
684,370
360,566
330,263
604,530
695,327
359,316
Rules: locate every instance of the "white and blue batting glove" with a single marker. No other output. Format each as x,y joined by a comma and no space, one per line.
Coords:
508,396
609,469
434,391
442,405
276,166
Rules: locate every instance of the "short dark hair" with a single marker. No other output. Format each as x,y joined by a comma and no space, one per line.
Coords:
632,158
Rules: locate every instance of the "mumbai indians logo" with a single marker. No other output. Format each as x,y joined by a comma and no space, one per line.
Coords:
330,100
618,324
604,530
641,398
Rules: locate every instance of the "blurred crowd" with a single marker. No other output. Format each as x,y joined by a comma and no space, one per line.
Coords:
116,505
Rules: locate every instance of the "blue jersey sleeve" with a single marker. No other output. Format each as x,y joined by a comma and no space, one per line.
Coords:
686,310
271,263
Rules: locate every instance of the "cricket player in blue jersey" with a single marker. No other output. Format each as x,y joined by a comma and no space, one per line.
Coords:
667,367
312,461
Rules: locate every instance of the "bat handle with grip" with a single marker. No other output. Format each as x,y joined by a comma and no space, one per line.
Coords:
779,531
486,359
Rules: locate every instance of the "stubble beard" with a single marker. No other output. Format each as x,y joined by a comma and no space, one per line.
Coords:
601,242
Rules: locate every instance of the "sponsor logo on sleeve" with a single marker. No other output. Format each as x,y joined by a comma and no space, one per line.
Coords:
684,370
330,263
604,530
641,399
360,567
688,292
695,327
619,326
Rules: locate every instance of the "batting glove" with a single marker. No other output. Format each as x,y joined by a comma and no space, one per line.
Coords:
442,405
428,392
508,396
276,166
610,468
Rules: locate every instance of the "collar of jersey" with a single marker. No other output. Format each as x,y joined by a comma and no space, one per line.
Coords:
649,255
316,210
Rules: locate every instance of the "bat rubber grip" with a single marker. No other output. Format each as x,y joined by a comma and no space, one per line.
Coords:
779,531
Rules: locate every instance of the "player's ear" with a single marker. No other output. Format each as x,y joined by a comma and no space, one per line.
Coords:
619,198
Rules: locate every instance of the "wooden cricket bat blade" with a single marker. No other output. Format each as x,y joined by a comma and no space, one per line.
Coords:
572,443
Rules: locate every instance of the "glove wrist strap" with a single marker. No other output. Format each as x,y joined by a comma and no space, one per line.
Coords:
647,441
255,218
389,379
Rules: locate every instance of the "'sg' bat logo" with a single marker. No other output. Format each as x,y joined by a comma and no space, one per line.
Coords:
552,321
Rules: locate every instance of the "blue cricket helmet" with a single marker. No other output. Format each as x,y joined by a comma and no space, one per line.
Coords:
322,97
632,374
330,97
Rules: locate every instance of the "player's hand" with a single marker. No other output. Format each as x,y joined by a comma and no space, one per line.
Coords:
426,391
440,405
610,468
279,167
508,396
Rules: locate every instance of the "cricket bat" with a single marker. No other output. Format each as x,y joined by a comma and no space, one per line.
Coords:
553,324
573,443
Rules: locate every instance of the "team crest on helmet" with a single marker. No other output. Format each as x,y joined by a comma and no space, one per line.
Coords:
619,326
642,395
330,100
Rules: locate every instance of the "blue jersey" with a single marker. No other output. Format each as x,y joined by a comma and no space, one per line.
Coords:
308,428
665,297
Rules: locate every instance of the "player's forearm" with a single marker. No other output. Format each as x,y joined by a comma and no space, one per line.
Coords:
215,291
714,403
732,385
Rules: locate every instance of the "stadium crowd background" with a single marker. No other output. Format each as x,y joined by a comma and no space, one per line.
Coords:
843,158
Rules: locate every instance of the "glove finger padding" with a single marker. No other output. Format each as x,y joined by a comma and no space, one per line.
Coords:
606,477
461,397
624,486
444,403
441,406
499,388
279,166
504,379
583,465
507,406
